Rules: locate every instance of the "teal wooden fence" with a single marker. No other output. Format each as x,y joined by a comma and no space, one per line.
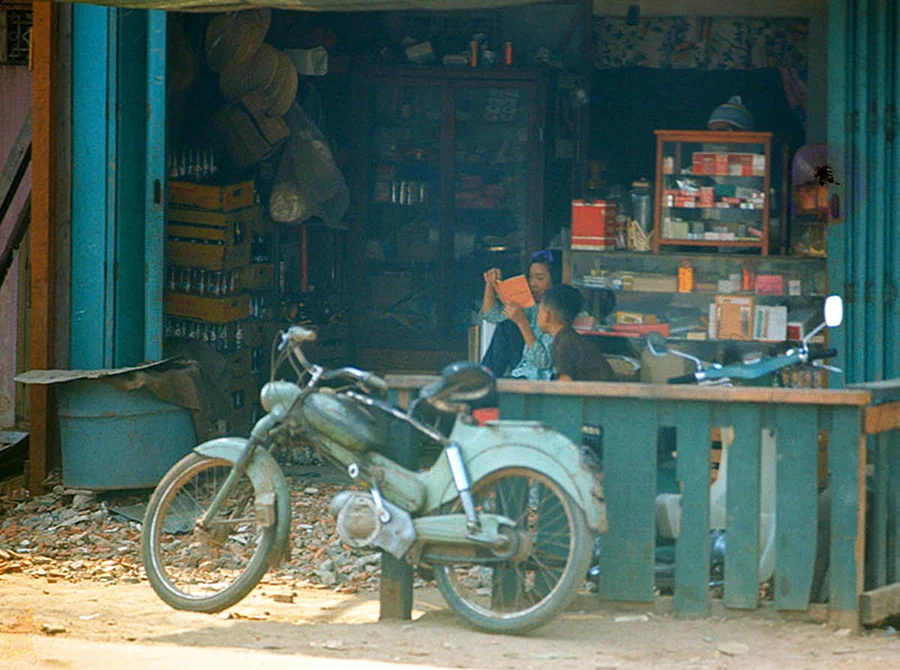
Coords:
802,422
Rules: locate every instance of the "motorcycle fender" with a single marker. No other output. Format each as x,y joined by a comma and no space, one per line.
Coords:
486,450
268,480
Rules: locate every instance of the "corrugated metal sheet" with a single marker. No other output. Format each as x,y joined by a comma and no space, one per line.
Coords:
864,243
311,5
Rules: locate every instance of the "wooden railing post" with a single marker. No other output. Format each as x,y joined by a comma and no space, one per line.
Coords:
847,473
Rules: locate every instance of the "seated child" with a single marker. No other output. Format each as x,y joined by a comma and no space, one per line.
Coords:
577,357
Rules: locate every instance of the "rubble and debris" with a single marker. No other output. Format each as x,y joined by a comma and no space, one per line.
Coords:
80,536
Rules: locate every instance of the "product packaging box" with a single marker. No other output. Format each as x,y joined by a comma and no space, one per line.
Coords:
734,317
210,240
593,225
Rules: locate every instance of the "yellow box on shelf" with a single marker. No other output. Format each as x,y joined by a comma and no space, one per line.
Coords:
213,310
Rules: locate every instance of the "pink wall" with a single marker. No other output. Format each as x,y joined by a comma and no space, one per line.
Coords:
15,101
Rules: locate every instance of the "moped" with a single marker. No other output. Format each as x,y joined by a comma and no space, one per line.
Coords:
668,505
503,518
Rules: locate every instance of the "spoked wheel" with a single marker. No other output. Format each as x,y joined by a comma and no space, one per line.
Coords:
209,569
553,555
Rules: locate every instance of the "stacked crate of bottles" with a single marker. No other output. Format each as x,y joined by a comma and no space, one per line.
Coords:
258,279
210,229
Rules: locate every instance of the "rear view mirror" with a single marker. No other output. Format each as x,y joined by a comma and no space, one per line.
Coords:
657,344
834,311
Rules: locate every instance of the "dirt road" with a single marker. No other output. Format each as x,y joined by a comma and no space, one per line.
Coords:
124,625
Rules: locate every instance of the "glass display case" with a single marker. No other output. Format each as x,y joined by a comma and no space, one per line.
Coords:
451,184
712,189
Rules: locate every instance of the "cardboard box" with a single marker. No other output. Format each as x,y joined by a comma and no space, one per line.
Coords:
593,225
248,134
770,323
213,310
659,369
734,317
769,285
257,276
219,198
209,240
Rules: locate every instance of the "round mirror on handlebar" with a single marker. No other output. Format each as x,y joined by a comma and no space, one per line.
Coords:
657,344
834,311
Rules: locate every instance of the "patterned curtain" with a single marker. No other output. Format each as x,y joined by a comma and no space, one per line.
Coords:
709,43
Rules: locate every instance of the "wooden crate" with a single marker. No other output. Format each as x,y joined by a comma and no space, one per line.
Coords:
257,276
215,241
220,198
213,310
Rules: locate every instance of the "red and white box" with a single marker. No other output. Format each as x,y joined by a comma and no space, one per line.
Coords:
593,225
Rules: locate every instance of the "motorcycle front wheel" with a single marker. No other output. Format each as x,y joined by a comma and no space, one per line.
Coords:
526,592
203,569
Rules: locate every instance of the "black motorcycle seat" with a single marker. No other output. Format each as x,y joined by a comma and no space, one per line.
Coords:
460,383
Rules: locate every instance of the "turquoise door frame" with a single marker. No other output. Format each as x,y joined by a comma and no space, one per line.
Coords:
863,245
118,186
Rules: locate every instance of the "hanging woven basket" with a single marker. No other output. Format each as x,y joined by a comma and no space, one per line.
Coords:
257,73
284,89
235,37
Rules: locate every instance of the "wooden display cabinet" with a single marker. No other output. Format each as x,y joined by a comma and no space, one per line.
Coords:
712,189
449,182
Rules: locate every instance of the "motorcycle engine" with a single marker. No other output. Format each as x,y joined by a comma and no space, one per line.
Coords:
359,523
357,518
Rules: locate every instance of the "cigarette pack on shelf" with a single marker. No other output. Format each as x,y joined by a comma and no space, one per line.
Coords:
210,240
214,310
734,317
593,225
215,197
770,323
258,276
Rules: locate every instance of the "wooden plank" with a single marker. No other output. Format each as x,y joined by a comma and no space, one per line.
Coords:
629,480
879,604
893,538
511,406
692,546
15,166
43,243
742,510
882,418
563,414
879,532
15,239
796,504
763,395
847,463
396,597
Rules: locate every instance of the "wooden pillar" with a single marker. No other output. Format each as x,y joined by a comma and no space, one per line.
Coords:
43,199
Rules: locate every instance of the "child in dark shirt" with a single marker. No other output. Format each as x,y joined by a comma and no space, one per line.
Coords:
576,357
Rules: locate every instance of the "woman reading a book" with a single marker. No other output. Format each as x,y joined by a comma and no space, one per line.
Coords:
519,348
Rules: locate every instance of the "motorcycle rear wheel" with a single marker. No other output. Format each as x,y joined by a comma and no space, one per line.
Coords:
197,570
528,591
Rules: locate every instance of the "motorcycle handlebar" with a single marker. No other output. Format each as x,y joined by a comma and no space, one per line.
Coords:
827,353
366,378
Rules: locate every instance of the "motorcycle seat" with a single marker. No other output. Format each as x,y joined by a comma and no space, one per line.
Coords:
460,384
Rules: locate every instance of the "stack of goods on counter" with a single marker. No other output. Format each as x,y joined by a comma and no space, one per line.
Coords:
258,81
594,225
210,228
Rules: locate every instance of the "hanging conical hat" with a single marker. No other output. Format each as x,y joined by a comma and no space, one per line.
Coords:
234,37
